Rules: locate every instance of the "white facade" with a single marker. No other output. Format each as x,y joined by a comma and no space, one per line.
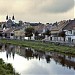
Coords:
56,38
33,37
70,35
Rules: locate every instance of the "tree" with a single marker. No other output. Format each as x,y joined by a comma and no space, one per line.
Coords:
36,34
29,32
62,34
48,33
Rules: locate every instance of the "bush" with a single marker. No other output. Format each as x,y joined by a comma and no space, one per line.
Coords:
6,69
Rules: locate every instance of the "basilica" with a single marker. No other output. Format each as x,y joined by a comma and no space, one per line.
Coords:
12,30
10,22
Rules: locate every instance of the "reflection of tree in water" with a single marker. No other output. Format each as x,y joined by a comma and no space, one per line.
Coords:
62,61
0,46
9,50
28,53
31,54
47,58
65,61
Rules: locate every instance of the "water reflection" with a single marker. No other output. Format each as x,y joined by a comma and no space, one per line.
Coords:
10,51
54,59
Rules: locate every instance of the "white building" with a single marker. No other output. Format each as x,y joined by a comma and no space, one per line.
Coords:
70,31
67,26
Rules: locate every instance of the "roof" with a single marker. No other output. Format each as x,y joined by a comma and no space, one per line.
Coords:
19,27
70,25
60,25
34,24
10,30
39,28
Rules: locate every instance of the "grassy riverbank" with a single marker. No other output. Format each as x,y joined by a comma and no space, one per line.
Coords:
6,69
41,46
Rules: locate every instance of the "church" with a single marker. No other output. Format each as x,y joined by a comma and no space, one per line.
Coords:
10,21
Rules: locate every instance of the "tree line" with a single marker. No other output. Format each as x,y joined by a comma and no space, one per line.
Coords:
30,31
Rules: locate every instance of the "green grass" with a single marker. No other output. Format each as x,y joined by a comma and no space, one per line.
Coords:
41,46
6,69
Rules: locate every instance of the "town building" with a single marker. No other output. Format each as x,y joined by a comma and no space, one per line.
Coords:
70,31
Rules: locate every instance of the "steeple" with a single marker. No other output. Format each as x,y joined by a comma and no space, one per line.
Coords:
13,18
7,17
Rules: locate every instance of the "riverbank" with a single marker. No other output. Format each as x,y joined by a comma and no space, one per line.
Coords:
37,45
6,69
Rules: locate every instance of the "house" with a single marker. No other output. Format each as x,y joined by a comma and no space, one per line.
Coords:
37,27
56,29
19,33
70,31
26,24
68,26
8,33
47,26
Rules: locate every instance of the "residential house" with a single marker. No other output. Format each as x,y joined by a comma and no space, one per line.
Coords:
26,24
19,33
70,31
8,33
37,27
56,29
47,26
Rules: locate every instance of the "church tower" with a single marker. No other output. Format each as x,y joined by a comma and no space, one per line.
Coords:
7,18
13,19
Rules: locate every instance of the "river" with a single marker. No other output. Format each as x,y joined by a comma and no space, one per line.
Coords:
27,61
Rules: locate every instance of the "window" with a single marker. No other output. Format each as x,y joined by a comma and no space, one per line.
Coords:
12,34
70,31
73,33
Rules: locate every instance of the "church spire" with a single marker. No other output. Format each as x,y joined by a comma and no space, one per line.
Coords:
7,17
13,18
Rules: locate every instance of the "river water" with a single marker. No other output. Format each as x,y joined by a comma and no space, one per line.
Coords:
27,61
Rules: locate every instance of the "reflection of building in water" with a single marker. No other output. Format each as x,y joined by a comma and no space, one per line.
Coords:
30,53
64,60
17,49
10,50
26,52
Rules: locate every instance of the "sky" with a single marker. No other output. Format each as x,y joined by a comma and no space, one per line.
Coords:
45,11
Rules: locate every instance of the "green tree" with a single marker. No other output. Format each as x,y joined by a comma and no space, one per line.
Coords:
48,33
29,32
36,34
6,69
62,34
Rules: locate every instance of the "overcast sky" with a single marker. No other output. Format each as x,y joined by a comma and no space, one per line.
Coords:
37,10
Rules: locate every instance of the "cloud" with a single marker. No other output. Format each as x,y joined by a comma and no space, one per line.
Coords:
37,10
23,6
57,6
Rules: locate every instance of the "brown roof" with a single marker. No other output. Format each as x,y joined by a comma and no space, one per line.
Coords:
70,25
60,25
